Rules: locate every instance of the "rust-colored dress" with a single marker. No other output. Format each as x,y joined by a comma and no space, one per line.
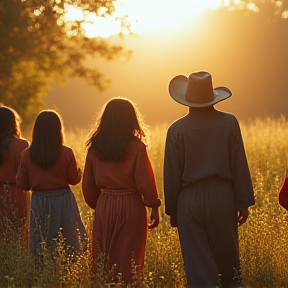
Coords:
13,200
119,192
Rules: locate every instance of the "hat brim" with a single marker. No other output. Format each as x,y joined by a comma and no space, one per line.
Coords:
177,90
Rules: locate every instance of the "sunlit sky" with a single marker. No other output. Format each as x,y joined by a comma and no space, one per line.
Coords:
246,52
143,15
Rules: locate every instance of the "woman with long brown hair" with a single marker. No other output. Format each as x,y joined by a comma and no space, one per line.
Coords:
118,182
13,200
48,167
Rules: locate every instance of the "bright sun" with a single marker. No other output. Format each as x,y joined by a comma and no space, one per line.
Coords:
164,13
143,15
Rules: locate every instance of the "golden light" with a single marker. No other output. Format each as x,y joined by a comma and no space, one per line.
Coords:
94,26
148,14
101,27
143,15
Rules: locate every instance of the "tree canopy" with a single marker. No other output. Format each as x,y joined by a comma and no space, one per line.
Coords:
277,8
39,44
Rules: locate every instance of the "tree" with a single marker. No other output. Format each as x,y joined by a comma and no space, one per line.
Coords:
39,44
278,8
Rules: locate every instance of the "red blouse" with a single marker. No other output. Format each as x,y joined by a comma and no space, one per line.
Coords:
62,173
8,169
133,174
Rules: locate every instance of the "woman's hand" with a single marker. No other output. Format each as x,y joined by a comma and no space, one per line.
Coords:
154,218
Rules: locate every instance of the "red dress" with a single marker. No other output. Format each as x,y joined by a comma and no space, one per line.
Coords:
13,200
119,192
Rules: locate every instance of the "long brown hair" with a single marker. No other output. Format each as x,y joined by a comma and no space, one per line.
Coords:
118,124
9,128
47,139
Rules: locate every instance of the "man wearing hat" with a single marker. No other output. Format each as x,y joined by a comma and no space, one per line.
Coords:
207,183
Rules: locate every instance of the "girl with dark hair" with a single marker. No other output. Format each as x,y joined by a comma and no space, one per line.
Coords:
13,200
48,168
118,182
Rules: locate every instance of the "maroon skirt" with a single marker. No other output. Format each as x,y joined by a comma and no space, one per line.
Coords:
119,234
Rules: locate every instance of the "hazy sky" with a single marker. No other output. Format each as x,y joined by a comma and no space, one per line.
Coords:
247,54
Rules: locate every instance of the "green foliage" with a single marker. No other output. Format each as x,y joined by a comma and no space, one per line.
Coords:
38,45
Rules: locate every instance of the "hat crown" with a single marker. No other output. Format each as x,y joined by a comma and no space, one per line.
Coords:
199,88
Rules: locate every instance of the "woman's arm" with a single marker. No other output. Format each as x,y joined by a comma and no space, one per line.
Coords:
90,191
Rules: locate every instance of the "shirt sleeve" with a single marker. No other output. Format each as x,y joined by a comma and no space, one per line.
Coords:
144,178
90,191
73,173
22,176
24,145
173,170
242,184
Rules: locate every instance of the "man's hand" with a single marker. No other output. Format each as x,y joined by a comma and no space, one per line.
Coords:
154,218
242,216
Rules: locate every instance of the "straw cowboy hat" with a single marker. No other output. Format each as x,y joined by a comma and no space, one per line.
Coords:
197,90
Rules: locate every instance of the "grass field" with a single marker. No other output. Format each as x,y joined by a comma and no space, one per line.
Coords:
263,239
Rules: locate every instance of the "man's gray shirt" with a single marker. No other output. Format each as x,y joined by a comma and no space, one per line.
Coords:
205,143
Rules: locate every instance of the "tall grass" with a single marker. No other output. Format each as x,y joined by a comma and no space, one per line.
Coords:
263,239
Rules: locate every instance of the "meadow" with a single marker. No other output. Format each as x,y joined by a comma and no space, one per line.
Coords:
263,239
